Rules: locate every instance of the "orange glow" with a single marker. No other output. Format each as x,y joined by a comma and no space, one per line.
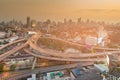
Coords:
6,74
108,10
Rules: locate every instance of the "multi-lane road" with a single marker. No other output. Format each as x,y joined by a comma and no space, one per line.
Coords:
20,74
11,43
55,55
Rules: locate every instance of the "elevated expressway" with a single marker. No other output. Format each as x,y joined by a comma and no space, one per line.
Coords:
12,51
11,43
37,51
54,55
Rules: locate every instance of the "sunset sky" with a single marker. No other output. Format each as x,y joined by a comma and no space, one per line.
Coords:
108,10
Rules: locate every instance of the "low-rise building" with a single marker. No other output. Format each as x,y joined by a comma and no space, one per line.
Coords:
59,75
2,34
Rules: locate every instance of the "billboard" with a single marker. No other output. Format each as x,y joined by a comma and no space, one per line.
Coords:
91,40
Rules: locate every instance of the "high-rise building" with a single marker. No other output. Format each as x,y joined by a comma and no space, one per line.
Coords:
28,22
79,20
33,23
65,21
70,21
87,21
48,21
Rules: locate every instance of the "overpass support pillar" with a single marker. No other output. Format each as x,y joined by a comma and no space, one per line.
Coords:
34,62
33,66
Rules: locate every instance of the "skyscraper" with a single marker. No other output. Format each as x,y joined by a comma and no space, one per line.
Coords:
33,23
65,21
28,22
79,20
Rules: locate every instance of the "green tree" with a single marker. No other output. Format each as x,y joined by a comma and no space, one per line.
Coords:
12,67
1,67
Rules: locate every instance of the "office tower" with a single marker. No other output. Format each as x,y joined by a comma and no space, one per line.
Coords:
33,23
28,22
79,20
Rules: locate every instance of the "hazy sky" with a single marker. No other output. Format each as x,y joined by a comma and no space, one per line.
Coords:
108,10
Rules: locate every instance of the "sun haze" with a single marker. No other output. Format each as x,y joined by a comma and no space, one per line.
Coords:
108,10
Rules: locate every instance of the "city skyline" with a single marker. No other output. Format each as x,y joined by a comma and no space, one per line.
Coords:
59,39
101,10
